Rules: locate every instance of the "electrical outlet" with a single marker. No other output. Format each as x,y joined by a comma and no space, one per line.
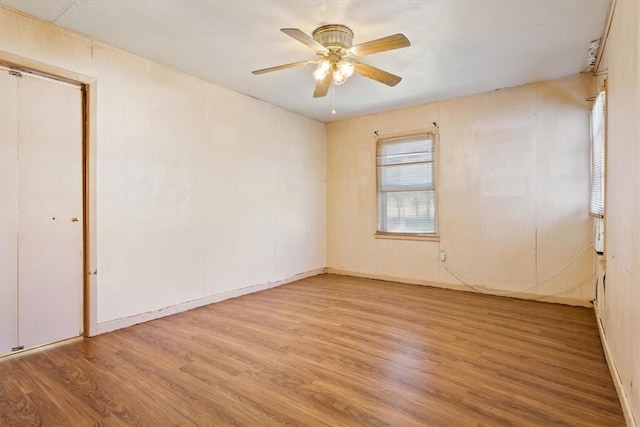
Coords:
443,255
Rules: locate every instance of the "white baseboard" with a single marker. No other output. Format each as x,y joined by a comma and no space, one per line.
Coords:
624,401
113,325
460,287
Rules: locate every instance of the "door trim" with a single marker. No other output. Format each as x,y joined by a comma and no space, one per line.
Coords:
89,131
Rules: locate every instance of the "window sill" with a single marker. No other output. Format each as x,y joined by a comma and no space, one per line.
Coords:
398,236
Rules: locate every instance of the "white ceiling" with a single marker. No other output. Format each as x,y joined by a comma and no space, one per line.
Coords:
458,47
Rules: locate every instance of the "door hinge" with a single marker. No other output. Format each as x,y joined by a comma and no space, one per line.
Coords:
18,348
15,73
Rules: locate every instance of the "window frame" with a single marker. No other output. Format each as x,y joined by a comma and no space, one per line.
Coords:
436,165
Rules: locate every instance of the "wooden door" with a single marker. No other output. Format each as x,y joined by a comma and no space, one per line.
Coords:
49,208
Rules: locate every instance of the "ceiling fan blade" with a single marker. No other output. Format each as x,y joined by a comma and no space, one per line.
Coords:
282,67
304,38
395,41
323,86
376,74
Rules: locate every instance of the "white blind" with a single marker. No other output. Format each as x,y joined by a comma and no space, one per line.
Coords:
406,185
596,207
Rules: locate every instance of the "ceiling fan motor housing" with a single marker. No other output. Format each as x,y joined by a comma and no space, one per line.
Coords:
334,36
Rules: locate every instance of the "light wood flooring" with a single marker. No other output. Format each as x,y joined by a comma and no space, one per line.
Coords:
328,350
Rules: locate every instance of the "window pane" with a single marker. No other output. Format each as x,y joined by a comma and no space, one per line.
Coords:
406,184
407,212
597,156
417,176
405,150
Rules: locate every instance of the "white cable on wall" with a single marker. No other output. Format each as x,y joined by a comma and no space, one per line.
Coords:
497,292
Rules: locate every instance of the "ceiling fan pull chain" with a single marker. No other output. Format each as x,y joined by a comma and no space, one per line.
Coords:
333,99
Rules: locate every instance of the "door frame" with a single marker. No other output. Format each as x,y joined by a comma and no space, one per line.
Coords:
89,217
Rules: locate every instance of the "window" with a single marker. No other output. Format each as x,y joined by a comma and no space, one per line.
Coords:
406,184
597,155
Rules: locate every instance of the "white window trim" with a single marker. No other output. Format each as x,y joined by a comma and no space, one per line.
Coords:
436,156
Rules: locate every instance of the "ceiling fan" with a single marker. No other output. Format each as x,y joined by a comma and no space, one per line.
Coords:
337,58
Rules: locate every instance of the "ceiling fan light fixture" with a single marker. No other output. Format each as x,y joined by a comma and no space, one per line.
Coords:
346,68
342,72
339,77
323,69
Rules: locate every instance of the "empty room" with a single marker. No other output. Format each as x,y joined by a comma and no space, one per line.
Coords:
319,213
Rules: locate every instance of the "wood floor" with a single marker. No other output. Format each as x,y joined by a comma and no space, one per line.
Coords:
329,350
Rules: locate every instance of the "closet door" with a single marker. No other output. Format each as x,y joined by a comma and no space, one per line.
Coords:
49,211
8,212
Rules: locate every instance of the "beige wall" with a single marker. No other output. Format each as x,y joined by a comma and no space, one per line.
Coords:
619,300
200,190
513,193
